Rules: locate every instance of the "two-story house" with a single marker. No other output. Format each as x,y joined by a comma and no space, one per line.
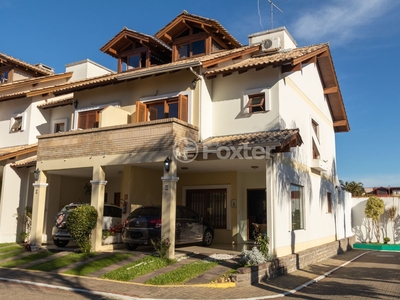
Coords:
248,131
21,121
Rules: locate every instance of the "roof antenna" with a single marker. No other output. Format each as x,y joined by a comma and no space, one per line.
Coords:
272,12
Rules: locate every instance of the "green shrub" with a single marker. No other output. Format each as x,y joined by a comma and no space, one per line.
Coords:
161,246
252,257
261,240
80,223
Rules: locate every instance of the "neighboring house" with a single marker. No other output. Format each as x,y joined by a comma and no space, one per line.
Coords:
21,122
383,191
250,131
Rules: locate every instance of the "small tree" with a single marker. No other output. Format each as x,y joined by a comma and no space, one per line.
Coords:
392,214
373,210
80,223
25,220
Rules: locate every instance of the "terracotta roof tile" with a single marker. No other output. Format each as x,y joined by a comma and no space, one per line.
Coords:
267,59
264,137
40,70
57,101
27,162
16,149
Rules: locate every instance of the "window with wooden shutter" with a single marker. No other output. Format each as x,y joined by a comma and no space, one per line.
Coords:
176,107
89,119
141,112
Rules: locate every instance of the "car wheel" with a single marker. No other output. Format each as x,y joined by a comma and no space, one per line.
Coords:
207,238
60,243
131,246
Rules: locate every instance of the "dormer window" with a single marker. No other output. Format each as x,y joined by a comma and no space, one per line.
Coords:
191,49
136,61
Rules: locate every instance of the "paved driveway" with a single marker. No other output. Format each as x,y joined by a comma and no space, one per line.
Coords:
375,275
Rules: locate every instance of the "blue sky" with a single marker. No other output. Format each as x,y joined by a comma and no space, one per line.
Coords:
364,36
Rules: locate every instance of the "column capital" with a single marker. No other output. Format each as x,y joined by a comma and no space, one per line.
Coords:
98,182
169,178
40,184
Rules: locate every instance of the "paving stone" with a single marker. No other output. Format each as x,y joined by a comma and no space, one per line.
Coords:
43,260
117,265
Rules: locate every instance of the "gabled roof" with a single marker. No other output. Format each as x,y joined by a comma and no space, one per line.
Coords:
283,140
291,61
127,36
9,152
30,85
211,59
33,69
183,20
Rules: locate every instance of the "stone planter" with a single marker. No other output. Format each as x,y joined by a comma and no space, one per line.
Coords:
113,239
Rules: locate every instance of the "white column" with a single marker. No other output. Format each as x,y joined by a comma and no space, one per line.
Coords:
270,204
97,201
38,209
168,214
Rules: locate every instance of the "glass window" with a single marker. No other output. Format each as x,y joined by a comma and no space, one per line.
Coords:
198,47
329,199
133,61
17,124
59,127
296,195
256,103
184,51
176,107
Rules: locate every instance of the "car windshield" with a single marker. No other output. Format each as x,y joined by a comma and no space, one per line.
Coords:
146,212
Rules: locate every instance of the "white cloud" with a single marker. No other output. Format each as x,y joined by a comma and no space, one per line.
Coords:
339,20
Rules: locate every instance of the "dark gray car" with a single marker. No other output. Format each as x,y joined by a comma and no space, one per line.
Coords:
144,225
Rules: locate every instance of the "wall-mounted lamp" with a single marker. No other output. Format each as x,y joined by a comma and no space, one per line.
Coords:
36,174
76,104
167,164
193,84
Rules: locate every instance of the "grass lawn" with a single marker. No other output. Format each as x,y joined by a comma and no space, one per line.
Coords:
7,244
26,259
10,247
98,264
12,253
62,261
183,274
138,268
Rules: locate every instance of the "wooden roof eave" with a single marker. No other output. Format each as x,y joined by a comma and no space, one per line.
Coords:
216,61
18,153
293,141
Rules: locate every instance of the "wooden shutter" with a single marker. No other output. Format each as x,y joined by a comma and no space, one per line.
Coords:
141,112
183,108
89,119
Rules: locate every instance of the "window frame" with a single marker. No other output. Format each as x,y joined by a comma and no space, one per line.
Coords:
22,124
329,202
249,95
184,105
213,187
59,121
94,107
301,225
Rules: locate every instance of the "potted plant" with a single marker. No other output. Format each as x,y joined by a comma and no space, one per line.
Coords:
386,240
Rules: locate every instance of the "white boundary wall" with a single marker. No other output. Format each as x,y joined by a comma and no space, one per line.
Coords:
360,222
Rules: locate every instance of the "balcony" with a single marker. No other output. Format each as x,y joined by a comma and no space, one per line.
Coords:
319,165
137,138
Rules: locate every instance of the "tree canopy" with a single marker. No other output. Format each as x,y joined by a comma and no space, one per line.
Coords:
355,188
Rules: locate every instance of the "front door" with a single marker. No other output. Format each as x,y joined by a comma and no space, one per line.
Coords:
256,210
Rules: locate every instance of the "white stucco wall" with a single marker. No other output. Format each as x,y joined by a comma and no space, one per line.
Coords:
229,113
86,69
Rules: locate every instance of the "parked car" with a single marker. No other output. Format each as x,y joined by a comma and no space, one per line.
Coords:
144,225
112,216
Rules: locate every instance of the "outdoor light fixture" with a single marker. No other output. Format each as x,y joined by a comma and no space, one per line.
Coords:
36,174
76,104
167,164
193,84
